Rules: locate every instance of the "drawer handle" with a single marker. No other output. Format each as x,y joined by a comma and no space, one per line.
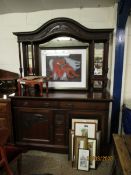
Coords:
38,115
69,105
46,104
25,103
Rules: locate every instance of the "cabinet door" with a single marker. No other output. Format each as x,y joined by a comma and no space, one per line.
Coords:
33,125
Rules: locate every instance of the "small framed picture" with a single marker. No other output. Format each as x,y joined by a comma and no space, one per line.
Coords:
92,149
83,160
85,129
74,120
79,142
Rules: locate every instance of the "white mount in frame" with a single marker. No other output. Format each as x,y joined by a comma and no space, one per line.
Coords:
66,67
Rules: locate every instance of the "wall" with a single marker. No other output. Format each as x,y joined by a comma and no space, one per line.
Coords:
127,66
16,22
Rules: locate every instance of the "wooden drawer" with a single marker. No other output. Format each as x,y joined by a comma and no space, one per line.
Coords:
60,129
84,105
3,108
4,115
59,139
35,103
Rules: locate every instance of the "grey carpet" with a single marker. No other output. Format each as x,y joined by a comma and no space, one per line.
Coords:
43,163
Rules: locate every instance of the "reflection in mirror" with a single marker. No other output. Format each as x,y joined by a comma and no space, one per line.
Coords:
59,42
64,59
63,42
30,65
98,58
97,84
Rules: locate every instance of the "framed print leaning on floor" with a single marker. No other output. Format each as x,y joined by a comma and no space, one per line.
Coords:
79,142
85,129
82,120
92,149
83,159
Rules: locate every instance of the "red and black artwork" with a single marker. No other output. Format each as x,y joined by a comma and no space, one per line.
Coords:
63,68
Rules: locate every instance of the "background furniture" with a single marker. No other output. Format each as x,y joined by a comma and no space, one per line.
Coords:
8,81
8,153
122,152
32,83
126,119
5,114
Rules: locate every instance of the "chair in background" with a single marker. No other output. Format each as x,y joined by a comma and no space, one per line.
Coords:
126,119
8,153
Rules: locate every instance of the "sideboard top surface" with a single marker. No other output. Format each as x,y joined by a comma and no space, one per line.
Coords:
77,96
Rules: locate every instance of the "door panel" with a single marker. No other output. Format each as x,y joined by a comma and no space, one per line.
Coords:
33,125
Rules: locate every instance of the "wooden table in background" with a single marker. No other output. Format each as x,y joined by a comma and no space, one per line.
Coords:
122,152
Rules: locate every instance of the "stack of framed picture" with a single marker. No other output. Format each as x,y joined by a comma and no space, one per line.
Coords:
84,143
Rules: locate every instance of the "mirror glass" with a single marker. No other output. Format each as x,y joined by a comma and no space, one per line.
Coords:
30,65
98,58
97,84
63,42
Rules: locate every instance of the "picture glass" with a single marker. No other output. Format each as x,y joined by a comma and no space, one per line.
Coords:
65,67
85,129
74,120
92,149
83,161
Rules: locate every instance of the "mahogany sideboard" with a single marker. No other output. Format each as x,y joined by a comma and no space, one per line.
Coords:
44,122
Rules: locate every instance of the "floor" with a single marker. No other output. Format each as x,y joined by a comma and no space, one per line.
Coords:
41,163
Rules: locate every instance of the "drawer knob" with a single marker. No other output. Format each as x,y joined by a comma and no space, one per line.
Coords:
25,103
46,104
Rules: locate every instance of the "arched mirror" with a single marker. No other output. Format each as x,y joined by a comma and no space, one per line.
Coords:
73,56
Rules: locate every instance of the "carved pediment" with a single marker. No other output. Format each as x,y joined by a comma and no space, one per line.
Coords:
62,27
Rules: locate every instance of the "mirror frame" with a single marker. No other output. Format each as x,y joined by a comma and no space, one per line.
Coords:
58,27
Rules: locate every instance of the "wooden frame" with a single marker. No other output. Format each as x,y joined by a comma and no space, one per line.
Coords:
65,66
85,129
74,120
64,27
83,160
92,149
79,142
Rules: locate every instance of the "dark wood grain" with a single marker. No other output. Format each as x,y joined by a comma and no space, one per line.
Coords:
44,122
122,154
58,27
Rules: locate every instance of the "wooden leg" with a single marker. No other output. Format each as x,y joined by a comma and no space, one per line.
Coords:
47,88
19,88
41,88
7,168
4,162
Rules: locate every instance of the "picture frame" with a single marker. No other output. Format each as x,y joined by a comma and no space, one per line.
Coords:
85,129
92,148
83,159
71,145
74,120
98,141
65,67
79,142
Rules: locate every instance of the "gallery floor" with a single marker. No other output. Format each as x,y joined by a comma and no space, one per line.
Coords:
40,163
